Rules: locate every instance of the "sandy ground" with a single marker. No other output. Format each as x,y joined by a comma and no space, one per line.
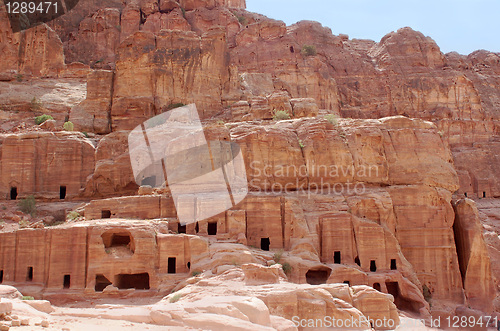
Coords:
85,324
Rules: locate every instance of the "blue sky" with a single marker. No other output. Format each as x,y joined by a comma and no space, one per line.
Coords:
456,25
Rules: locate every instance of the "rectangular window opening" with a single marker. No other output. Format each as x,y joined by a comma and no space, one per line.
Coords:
62,192
67,281
337,257
212,228
29,274
393,264
181,228
172,265
373,266
265,243
13,193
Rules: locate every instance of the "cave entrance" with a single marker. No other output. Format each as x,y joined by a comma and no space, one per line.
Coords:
121,242
265,243
356,260
29,274
197,227
373,266
13,193
484,194
348,283
135,281
377,287
212,228
62,192
67,281
401,302
394,266
337,257
172,265
105,213
1,276
318,276
101,283
461,254
181,228
393,289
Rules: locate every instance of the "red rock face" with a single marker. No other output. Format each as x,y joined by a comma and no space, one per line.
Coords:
92,114
40,163
156,71
210,4
97,39
113,173
475,264
35,52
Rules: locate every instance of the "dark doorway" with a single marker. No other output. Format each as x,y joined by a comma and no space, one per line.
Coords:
377,287
484,194
264,244
119,240
373,266
393,264
29,274
101,282
336,257
393,289
136,281
356,260
189,265
181,228
171,265
1,276
13,193
212,228
318,276
465,194
105,213
197,227
62,192
347,282
67,281
292,50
